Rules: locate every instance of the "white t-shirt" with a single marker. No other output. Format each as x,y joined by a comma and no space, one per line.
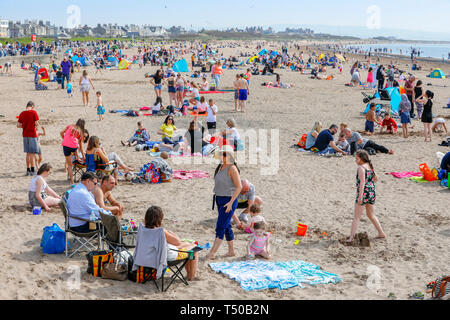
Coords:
211,117
156,107
32,187
196,93
234,134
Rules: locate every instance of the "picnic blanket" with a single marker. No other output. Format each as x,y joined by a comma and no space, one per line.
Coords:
405,174
260,275
187,175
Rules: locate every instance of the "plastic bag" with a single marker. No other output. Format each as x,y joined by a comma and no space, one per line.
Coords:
53,240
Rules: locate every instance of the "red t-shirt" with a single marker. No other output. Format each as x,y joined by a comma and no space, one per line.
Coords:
28,120
389,124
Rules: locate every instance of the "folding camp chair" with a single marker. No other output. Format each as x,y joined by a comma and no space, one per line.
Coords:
78,169
149,249
84,240
113,236
99,170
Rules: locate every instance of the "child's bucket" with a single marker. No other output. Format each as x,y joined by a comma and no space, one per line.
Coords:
301,229
427,172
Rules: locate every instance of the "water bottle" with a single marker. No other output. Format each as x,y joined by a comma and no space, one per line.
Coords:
92,219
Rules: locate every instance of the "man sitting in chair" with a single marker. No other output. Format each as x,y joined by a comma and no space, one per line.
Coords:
104,198
81,203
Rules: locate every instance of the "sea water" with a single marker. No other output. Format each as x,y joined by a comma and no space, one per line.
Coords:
427,50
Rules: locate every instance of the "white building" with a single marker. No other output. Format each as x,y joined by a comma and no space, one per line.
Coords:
4,29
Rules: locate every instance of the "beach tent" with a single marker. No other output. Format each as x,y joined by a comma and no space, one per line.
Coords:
114,61
395,100
44,74
341,58
438,74
252,59
69,52
124,64
274,53
181,66
322,56
263,52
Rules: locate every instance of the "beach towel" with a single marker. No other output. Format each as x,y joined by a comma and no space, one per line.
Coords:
187,175
260,275
211,92
405,174
419,179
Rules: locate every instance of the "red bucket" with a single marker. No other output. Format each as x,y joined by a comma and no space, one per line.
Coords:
301,229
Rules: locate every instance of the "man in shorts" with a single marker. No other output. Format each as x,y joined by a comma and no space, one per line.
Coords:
104,198
244,91
29,121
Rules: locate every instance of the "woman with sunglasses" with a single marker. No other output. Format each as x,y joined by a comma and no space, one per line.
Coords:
167,131
227,188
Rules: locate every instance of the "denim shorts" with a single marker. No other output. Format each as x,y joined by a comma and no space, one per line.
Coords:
30,145
158,87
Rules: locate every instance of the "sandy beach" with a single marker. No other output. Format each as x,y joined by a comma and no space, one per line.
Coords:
316,191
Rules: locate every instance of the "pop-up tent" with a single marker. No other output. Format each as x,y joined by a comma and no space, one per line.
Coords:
438,74
181,66
252,59
124,64
114,61
43,73
263,52
395,100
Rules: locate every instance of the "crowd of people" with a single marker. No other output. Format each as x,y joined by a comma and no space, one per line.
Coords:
231,190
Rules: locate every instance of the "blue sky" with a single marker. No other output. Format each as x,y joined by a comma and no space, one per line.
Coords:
422,17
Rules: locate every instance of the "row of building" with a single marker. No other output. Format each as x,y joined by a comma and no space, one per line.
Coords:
11,29
18,29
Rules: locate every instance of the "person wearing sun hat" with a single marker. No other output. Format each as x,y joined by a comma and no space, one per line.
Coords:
227,188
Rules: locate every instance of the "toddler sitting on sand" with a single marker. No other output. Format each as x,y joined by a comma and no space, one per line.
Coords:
259,244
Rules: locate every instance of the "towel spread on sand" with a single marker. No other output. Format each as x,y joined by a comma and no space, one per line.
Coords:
187,175
419,179
260,275
405,174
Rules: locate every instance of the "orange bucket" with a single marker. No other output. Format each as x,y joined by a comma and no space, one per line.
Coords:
301,229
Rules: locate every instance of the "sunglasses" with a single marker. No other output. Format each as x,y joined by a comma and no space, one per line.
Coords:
95,183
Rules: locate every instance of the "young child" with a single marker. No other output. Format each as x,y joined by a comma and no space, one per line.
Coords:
439,125
248,76
259,244
157,106
69,89
100,108
370,120
370,79
211,118
204,85
39,155
343,144
255,217
141,136
389,123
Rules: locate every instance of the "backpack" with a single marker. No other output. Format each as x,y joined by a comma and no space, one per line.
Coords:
441,287
302,142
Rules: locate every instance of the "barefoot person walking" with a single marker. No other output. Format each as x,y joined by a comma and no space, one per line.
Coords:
85,86
365,198
226,190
